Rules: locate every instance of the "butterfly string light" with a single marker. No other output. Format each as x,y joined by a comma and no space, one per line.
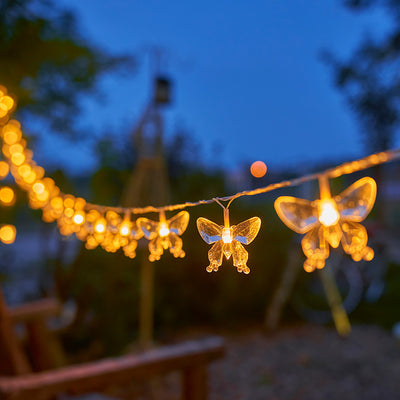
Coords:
164,234
228,240
326,222
330,221
7,198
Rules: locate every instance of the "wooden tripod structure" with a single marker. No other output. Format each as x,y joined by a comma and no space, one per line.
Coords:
148,184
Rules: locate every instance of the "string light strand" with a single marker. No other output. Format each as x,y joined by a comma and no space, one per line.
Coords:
334,172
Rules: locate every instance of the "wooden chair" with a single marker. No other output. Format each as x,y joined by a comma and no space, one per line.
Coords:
19,382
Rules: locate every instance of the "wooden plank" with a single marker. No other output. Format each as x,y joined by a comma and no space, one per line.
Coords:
195,383
97,375
39,309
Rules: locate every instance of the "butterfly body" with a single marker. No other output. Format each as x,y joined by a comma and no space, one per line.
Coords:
228,241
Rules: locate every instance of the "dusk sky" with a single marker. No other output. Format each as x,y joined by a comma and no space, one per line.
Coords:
248,80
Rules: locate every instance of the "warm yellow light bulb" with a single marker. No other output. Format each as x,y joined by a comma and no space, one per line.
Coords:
17,158
30,178
16,148
6,195
163,229
125,229
7,234
24,170
10,137
328,213
226,235
79,218
38,188
8,102
100,227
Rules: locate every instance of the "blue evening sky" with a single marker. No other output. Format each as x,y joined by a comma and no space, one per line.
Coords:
248,81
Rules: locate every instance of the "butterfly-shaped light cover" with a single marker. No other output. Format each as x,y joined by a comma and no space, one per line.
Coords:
164,234
331,221
228,240
7,198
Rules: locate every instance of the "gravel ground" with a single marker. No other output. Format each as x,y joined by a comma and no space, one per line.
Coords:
298,363
309,362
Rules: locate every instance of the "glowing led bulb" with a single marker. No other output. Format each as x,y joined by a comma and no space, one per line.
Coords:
24,170
7,196
17,158
125,228
12,132
331,221
7,234
100,226
8,102
328,213
38,188
30,178
164,234
228,240
226,235
79,218
16,148
163,230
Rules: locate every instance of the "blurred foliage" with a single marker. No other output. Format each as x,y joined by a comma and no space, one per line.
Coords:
47,64
369,79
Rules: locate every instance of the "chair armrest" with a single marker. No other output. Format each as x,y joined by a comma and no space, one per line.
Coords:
35,310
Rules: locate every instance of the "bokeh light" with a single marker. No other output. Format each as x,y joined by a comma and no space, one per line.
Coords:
7,234
4,169
258,169
7,196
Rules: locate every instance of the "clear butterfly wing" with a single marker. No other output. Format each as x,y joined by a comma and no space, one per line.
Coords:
148,227
299,215
357,200
246,231
136,232
179,222
209,231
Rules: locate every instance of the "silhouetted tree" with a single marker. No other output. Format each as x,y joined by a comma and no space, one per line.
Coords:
46,63
370,80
